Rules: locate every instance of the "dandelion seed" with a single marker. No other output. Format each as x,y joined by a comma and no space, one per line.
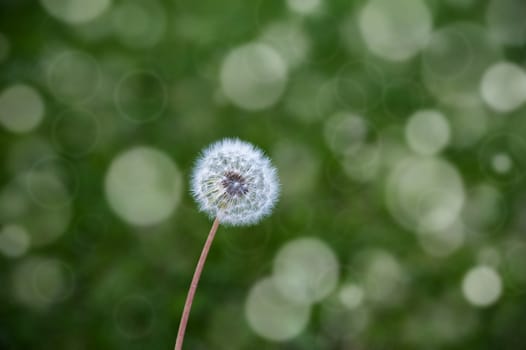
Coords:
235,183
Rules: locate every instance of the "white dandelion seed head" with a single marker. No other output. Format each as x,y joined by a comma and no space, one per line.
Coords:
236,182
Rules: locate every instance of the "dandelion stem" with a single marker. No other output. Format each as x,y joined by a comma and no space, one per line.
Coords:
193,285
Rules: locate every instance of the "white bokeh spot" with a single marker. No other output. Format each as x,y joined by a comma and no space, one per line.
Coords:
482,286
14,241
21,108
503,86
395,30
306,270
76,11
427,132
143,186
253,76
271,315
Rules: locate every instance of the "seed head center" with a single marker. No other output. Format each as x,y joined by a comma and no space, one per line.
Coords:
234,184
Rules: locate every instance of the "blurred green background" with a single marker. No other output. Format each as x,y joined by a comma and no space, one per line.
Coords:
398,128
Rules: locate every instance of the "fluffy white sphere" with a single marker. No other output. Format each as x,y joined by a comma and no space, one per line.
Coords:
235,181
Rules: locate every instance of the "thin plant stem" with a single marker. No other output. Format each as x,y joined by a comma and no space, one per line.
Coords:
193,285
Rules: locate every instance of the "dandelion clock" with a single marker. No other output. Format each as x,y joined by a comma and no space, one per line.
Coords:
235,184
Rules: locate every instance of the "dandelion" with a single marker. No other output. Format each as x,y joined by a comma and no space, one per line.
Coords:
236,184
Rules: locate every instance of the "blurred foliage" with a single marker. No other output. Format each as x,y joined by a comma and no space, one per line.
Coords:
397,128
